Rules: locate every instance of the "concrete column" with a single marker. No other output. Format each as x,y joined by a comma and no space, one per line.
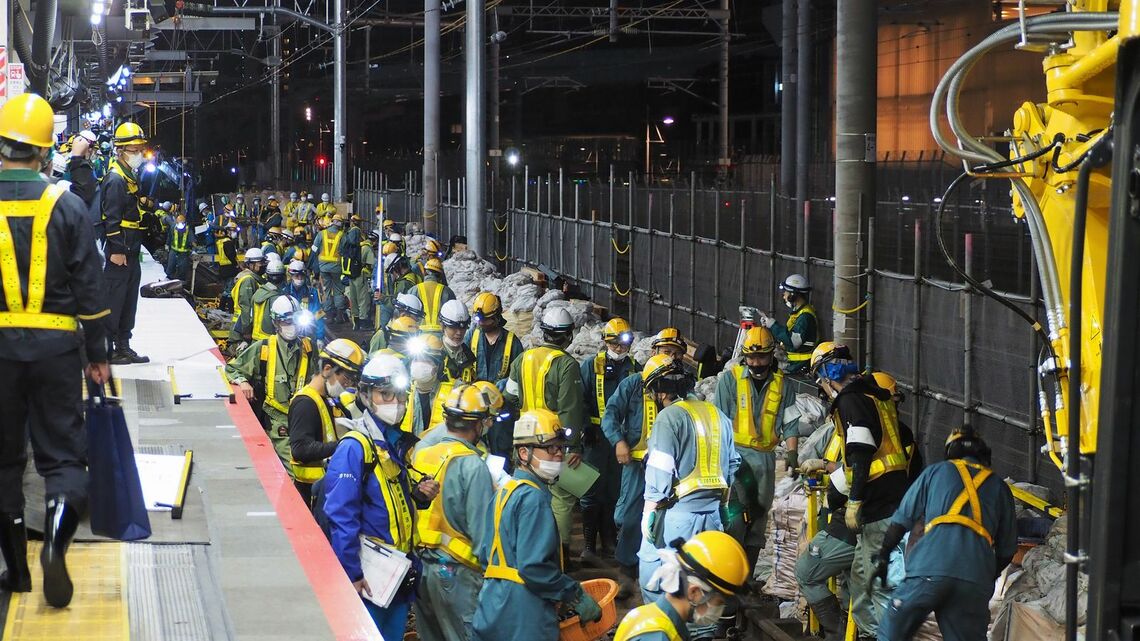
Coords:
788,100
275,112
340,103
803,115
431,116
723,152
476,120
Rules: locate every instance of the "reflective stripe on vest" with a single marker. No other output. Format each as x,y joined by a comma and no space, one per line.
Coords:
890,457
834,451
430,294
329,247
259,333
497,567
505,365
180,241
646,619
648,417
433,529
235,292
309,472
409,423
744,422
269,357
387,473
968,495
599,387
132,189
535,366
803,352
707,473
20,313
222,259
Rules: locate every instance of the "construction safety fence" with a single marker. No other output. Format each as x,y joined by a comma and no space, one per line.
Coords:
688,256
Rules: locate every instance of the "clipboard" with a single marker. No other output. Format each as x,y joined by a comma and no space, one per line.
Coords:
384,569
577,480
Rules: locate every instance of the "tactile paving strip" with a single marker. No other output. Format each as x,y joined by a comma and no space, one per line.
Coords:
165,598
98,611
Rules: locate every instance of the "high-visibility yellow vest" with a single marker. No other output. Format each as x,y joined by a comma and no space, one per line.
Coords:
312,472
330,247
646,619
235,292
744,432
441,393
505,366
259,333
707,473
221,257
648,417
300,253
180,241
433,530
890,457
497,567
29,314
387,472
132,189
803,352
269,357
969,495
834,451
430,294
536,364
599,387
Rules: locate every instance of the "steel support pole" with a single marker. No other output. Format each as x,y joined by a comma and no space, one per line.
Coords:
476,119
496,149
724,156
275,113
431,116
367,59
968,336
803,114
340,103
788,100
856,93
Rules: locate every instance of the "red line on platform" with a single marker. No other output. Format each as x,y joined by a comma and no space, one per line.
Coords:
342,606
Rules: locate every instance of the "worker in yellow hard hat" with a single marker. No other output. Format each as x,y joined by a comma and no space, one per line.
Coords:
600,378
874,474
122,216
627,424
328,245
495,347
433,293
690,465
358,261
226,255
754,395
428,391
49,244
499,435
698,579
524,579
179,245
454,524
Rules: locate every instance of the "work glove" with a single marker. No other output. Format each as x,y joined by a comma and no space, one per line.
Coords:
791,462
852,517
587,608
882,563
648,524
811,466
767,321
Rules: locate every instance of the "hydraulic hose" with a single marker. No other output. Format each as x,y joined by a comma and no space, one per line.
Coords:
22,34
42,36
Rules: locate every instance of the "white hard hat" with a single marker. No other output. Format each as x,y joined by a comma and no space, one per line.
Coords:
324,198
89,136
296,267
275,266
412,303
384,370
273,256
253,253
556,319
240,197
390,260
454,314
796,283
287,233
201,206
283,308
292,194
395,238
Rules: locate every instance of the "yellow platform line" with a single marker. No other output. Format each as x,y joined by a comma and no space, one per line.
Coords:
98,611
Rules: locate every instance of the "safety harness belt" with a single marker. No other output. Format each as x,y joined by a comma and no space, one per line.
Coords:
497,567
969,495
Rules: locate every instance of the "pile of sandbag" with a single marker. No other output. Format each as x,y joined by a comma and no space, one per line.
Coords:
414,245
1041,584
467,275
706,388
785,523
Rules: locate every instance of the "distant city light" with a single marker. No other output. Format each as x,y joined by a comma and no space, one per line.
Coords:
906,199
668,120
513,158
233,170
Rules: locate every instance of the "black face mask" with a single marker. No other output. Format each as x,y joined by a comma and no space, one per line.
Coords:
257,268
759,371
276,279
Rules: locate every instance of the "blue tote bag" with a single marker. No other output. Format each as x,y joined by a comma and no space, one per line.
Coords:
116,503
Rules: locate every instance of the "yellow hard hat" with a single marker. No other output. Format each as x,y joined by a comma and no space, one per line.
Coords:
434,265
356,218
658,366
229,207
229,224
180,219
886,381
389,248
433,246
758,340
717,559
340,218
467,402
828,351
487,305
425,347
617,331
129,133
298,231
274,230
403,326
491,391
669,336
28,118
538,427
324,221
387,222
345,354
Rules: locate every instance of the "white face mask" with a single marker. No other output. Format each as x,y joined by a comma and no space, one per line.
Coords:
450,343
288,332
422,372
135,160
299,281
333,387
610,354
710,616
391,413
546,470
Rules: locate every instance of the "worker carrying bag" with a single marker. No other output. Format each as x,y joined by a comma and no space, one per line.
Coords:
116,504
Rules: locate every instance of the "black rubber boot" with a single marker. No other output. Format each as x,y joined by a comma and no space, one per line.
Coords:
124,347
607,530
831,619
14,545
60,523
590,531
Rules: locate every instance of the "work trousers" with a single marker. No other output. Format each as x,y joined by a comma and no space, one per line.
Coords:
627,516
121,285
961,607
562,504
42,399
276,425
763,466
867,608
604,491
334,303
445,605
178,266
678,524
824,558
360,297
391,621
